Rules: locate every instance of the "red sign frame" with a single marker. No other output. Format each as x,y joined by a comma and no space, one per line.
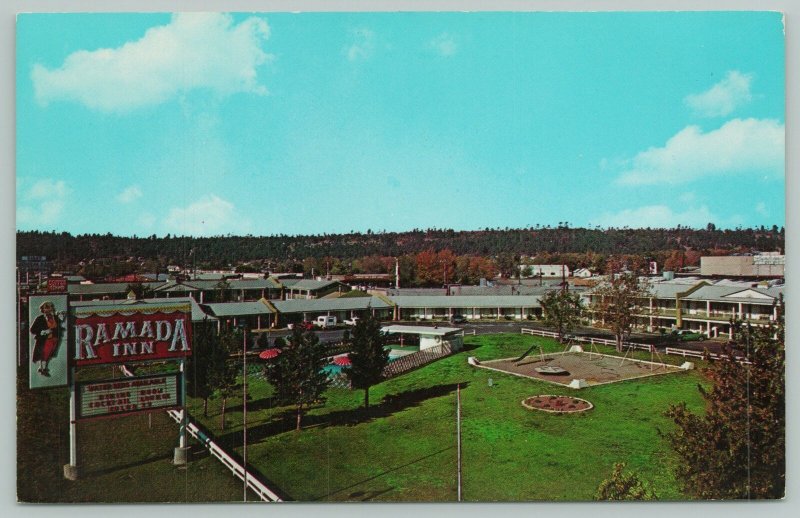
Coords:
141,334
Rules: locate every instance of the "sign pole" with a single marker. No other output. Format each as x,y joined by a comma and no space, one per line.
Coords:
71,469
181,455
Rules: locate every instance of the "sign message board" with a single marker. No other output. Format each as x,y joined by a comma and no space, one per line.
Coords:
128,395
131,333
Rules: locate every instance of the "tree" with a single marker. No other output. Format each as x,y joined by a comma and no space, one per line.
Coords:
507,265
199,364
296,374
624,486
616,304
368,356
222,289
223,372
561,310
737,449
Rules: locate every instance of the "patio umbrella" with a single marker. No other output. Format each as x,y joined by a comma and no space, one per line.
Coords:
268,354
342,361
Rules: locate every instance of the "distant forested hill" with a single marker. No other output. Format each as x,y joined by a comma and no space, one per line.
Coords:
66,250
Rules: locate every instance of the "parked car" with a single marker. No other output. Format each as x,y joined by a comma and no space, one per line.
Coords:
304,325
687,335
458,319
350,321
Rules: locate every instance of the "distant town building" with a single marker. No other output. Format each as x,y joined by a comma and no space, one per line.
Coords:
761,265
544,270
33,268
582,273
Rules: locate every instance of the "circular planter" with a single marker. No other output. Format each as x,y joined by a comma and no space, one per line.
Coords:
557,404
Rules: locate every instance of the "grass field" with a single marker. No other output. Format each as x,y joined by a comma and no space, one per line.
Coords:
125,459
404,448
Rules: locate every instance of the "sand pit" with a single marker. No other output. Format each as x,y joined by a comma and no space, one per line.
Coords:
593,368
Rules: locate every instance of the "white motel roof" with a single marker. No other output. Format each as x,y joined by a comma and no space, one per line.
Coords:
236,309
467,301
322,305
420,330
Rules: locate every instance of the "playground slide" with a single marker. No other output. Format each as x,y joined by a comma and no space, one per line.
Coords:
526,353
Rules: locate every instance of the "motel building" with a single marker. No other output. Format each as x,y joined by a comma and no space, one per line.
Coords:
704,306
710,308
471,307
209,291
258,314
424,338
293,311
311,288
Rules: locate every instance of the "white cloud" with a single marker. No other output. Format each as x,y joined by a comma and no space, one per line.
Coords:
208,216
656,216
740,146
444,44
722,98
761,208
43,203
363,45
130,194
195,50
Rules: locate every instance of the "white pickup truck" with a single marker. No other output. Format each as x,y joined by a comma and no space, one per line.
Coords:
325,321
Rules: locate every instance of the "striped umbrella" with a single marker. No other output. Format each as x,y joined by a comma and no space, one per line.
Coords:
268,354
342,361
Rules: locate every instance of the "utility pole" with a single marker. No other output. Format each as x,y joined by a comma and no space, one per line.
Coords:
458,435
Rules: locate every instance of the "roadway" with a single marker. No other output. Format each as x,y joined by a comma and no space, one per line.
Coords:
484,328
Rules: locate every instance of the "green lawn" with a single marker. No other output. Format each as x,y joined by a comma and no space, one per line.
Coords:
405,448
126,459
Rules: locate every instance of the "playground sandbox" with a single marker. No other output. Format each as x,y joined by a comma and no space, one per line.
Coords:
569,368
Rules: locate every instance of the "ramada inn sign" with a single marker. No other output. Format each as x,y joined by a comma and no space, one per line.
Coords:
137,336
127,332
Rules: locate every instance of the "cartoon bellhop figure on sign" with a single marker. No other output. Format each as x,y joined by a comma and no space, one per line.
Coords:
48,341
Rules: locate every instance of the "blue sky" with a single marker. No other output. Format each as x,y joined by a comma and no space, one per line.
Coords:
210,124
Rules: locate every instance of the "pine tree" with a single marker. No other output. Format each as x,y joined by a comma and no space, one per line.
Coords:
199,364
737,449
296,374
368,356
222,371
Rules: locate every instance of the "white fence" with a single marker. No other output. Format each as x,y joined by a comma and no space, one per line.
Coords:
258,487
702,354
634,345
590,340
